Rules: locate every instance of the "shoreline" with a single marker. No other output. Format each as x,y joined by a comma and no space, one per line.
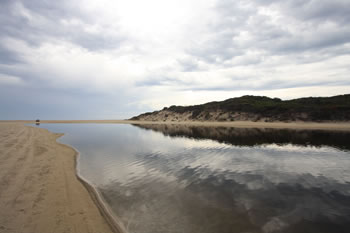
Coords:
338,126
41,189
95,195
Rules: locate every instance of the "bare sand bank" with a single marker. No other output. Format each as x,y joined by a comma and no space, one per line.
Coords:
39,188
343,126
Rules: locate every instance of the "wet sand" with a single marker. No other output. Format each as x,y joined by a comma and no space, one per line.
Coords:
39,188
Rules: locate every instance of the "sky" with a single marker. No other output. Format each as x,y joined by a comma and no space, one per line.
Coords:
113,59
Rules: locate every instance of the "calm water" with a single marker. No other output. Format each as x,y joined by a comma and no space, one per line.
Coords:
181,179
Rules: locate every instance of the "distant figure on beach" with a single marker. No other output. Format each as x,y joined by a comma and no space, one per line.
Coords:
37,122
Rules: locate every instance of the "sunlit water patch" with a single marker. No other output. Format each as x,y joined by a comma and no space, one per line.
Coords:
189,179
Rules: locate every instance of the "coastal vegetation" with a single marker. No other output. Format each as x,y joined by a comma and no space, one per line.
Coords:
258,108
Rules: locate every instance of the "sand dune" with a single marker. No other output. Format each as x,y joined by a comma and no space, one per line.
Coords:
39,190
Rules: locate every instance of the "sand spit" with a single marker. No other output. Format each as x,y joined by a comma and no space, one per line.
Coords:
39,188
343,126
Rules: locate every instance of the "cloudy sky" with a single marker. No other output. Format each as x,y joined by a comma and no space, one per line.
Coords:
112,59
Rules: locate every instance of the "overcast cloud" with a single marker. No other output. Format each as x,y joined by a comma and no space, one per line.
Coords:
110,59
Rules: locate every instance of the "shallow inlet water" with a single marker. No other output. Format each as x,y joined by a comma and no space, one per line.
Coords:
173,178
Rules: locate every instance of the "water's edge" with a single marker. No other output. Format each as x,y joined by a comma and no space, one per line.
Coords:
112,220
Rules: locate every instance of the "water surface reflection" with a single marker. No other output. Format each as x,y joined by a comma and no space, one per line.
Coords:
255,136
163,178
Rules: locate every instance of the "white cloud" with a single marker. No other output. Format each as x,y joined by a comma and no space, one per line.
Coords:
150,54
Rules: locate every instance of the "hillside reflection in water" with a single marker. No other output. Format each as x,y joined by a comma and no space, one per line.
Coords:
175,178
255,136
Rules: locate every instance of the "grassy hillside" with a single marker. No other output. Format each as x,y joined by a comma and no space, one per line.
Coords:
336,108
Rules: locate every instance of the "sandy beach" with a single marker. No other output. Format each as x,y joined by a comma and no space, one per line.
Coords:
39,189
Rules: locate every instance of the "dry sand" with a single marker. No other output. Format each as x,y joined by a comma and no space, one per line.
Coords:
39,189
